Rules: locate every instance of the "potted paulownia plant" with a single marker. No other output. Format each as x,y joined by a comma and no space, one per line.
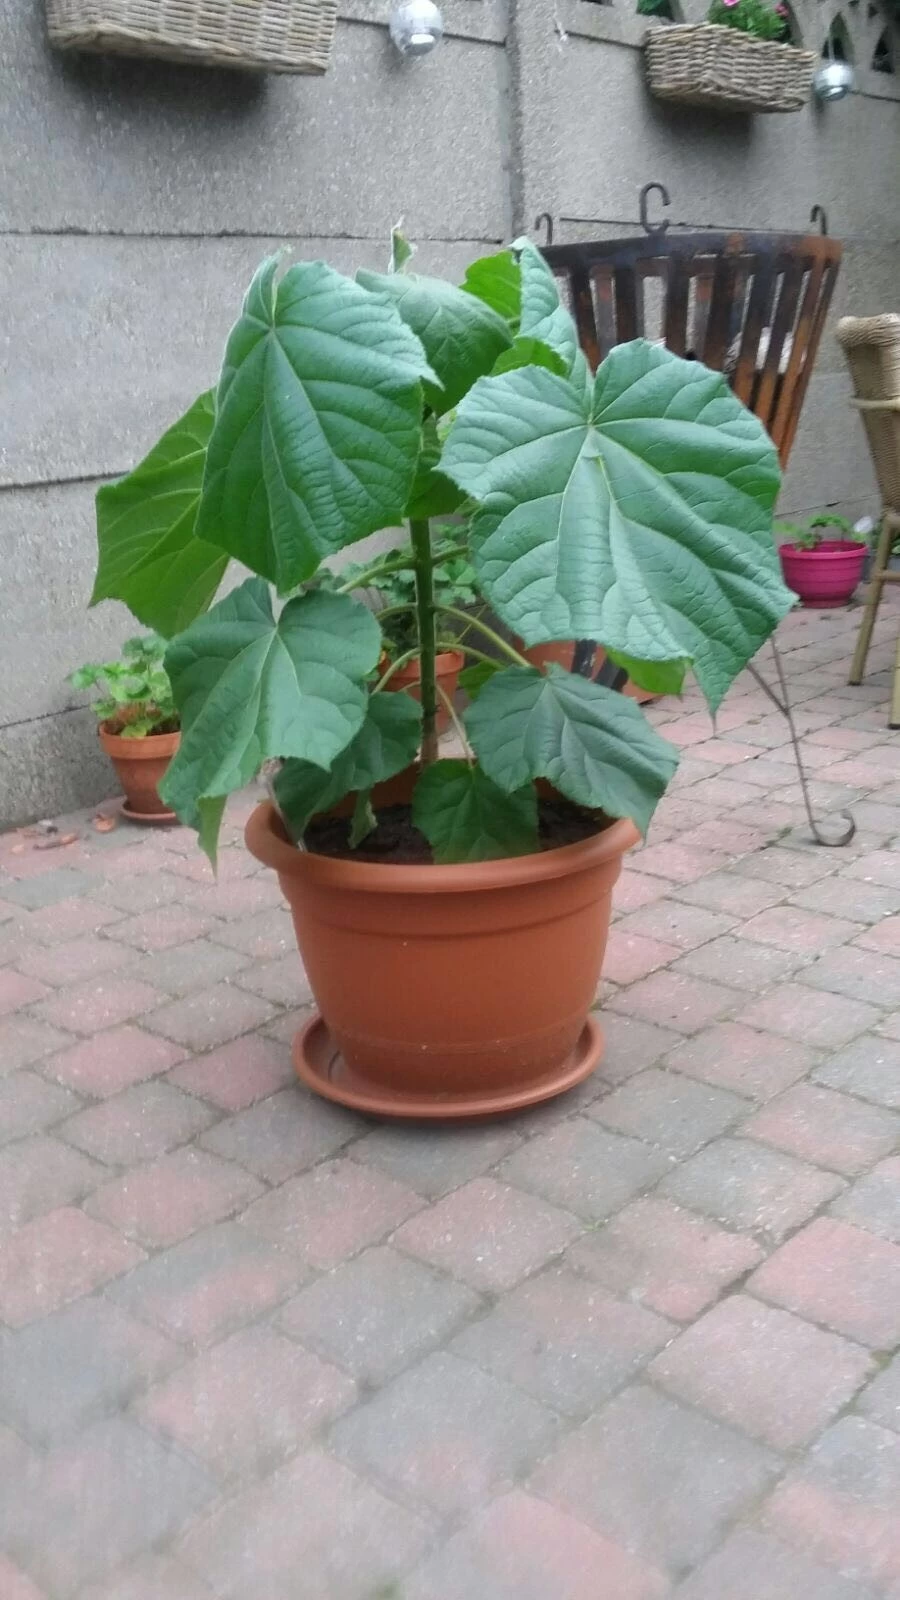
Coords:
138,722
823,560
451,914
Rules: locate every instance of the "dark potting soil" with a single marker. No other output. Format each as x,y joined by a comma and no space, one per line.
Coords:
396,842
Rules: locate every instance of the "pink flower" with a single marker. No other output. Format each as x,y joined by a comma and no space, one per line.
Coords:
780,11
730,3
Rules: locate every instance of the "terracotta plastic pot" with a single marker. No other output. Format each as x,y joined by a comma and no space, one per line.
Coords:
448,664
140,767
448,991
825,576
563,653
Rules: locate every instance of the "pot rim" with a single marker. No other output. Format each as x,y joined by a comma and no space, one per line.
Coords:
828,550
147,746
265,839
450,658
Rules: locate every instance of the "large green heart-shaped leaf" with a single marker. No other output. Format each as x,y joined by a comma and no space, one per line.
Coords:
317,430
461,336
496,280
466,817
385,744
543,316
432,494
593,745
149,556
637,512
249,688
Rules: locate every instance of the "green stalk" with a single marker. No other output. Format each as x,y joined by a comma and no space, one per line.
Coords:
420,535
489,633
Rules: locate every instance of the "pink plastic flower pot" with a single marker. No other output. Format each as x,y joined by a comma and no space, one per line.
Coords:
825,576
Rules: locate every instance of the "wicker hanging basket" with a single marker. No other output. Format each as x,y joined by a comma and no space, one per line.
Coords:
260,35
704,64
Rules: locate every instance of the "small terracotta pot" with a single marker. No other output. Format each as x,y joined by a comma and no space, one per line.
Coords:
448,665
562,651
448,991
825,576
140,767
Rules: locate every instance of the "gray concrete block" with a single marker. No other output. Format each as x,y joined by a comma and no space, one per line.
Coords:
115,337
830,461
106,143
51,766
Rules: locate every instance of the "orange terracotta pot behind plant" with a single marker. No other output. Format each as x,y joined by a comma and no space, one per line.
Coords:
448,665
493,1015
562,651
138,723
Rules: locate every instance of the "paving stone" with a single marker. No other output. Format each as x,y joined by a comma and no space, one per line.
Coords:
753,1566
106,1063
838,1275
57,1258
874,1202
764,1371
679,863
869,1067
244,1406
209,1016
38,1174
880,1402
747,1185
793,869
883,937
74,960
58,1374
879,866
331,1213
866,902
631,1045
675,1000
840,1505
520,1548
739,963
240,898
48,886
730,893
376,1313
351,1541
564,1340
151,1578
434,1160
266,935
630,956
71,919
184,967
169,1198
750,1062
634,889
145,893
98,1003
685,926
16,989
162,928
833,1130
659,1479
806,933
284,1134
98,1500
15,1585
861,974
488,1234
208,1285
28,1104
140,1123
488,1433
668,1110
237,1074
24,1040
665,1258
826,1020
284,981
585,1168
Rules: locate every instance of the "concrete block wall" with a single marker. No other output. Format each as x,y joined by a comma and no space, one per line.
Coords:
136,198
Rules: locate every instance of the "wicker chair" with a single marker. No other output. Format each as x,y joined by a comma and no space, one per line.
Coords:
872,348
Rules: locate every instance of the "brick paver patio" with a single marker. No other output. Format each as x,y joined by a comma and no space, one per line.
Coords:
635,1344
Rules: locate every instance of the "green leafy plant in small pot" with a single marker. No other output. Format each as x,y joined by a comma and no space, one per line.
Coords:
451,914
389,582
824,559
138,722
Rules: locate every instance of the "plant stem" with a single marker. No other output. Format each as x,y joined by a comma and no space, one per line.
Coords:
489,633
395,666
384,569
457,725
420,535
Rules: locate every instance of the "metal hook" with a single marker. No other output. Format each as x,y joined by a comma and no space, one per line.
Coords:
544,220
818,214
662,191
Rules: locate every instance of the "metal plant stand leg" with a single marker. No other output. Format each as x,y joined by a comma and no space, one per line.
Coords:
890,523
783,704
894,716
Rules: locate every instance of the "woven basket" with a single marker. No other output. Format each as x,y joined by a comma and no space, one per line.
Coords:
263,35
704,64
